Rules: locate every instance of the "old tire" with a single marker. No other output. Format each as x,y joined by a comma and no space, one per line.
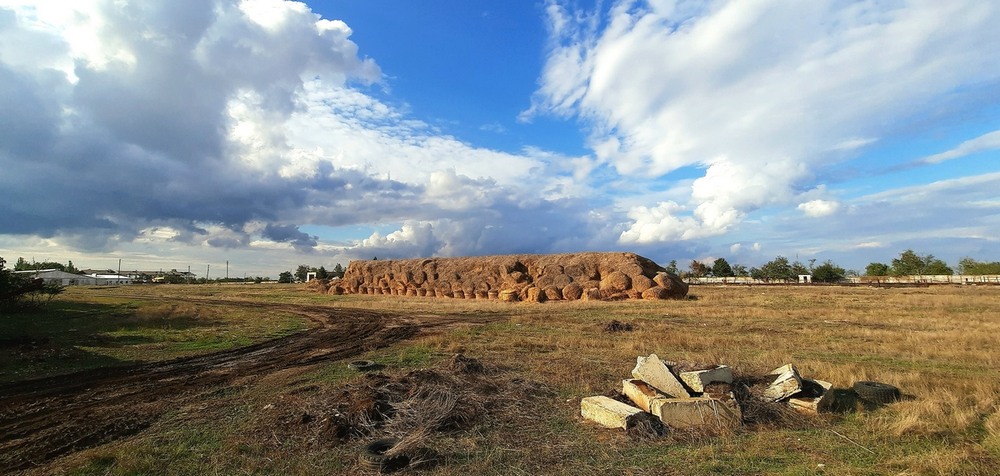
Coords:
876,392
373,457
361,365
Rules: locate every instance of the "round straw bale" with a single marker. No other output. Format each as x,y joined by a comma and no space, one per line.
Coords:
615,282
572,291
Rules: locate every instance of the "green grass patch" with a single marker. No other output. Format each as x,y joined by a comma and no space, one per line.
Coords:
83,331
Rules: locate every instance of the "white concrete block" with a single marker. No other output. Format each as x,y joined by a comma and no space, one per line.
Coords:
812,399
786,384
652,371
698,379
640,393
783,369
606,411
694,412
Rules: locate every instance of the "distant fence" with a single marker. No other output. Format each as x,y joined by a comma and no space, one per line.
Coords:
868,280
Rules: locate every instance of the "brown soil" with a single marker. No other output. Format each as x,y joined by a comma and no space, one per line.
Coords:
46,418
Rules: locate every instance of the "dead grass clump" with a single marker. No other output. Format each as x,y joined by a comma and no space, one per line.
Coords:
412,451
992,423
619,326
412,408
434,405
308,417
947,413
645,426
748,390
461,364
954,461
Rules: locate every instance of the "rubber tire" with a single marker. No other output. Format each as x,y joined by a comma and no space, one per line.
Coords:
876,392
373,457
361,365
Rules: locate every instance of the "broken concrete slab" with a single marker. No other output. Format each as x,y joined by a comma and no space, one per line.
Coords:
787,383
641,393
783,369
654,372
697,380
694,412
813,397
606,411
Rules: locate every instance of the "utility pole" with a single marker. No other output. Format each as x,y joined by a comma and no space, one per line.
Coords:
119,279
189,274
207,269
227,270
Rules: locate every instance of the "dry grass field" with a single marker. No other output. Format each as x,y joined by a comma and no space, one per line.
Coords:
937,344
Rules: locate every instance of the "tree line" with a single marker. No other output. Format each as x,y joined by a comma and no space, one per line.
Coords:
19,291
909,263
302,273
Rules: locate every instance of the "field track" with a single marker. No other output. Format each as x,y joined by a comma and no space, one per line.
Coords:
46,418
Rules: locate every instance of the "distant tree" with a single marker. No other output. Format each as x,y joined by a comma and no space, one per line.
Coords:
285,277
799,269
698,269
20,291
757,273
910,263
302,272
722,269
973,267
827,272
936,266
70,268
877,269
23,265
338,271
258,280
671,267
174,278
740,271
778,269
321,273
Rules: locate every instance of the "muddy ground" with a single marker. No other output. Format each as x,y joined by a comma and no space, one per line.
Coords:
44,419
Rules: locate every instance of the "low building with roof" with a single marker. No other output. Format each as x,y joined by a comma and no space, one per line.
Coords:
55,276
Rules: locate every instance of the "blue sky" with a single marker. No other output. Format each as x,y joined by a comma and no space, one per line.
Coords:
269,133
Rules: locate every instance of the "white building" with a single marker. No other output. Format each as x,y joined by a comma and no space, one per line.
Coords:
69,279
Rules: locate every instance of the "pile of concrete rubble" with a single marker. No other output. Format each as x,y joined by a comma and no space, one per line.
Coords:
700,399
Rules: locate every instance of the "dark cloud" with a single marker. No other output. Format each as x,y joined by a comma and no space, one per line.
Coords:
30,118
290,234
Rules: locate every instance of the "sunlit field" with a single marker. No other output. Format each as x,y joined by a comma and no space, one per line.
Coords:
937,344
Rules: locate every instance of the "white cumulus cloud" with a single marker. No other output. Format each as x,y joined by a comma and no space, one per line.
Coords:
819,208
762,96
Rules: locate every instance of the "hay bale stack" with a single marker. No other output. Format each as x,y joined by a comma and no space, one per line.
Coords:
535,278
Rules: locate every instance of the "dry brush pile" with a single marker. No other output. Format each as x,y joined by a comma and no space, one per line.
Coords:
534,278
405,413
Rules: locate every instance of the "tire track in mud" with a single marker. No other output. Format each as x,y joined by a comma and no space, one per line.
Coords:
46,418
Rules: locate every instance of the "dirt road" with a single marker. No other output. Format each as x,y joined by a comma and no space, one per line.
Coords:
43,419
